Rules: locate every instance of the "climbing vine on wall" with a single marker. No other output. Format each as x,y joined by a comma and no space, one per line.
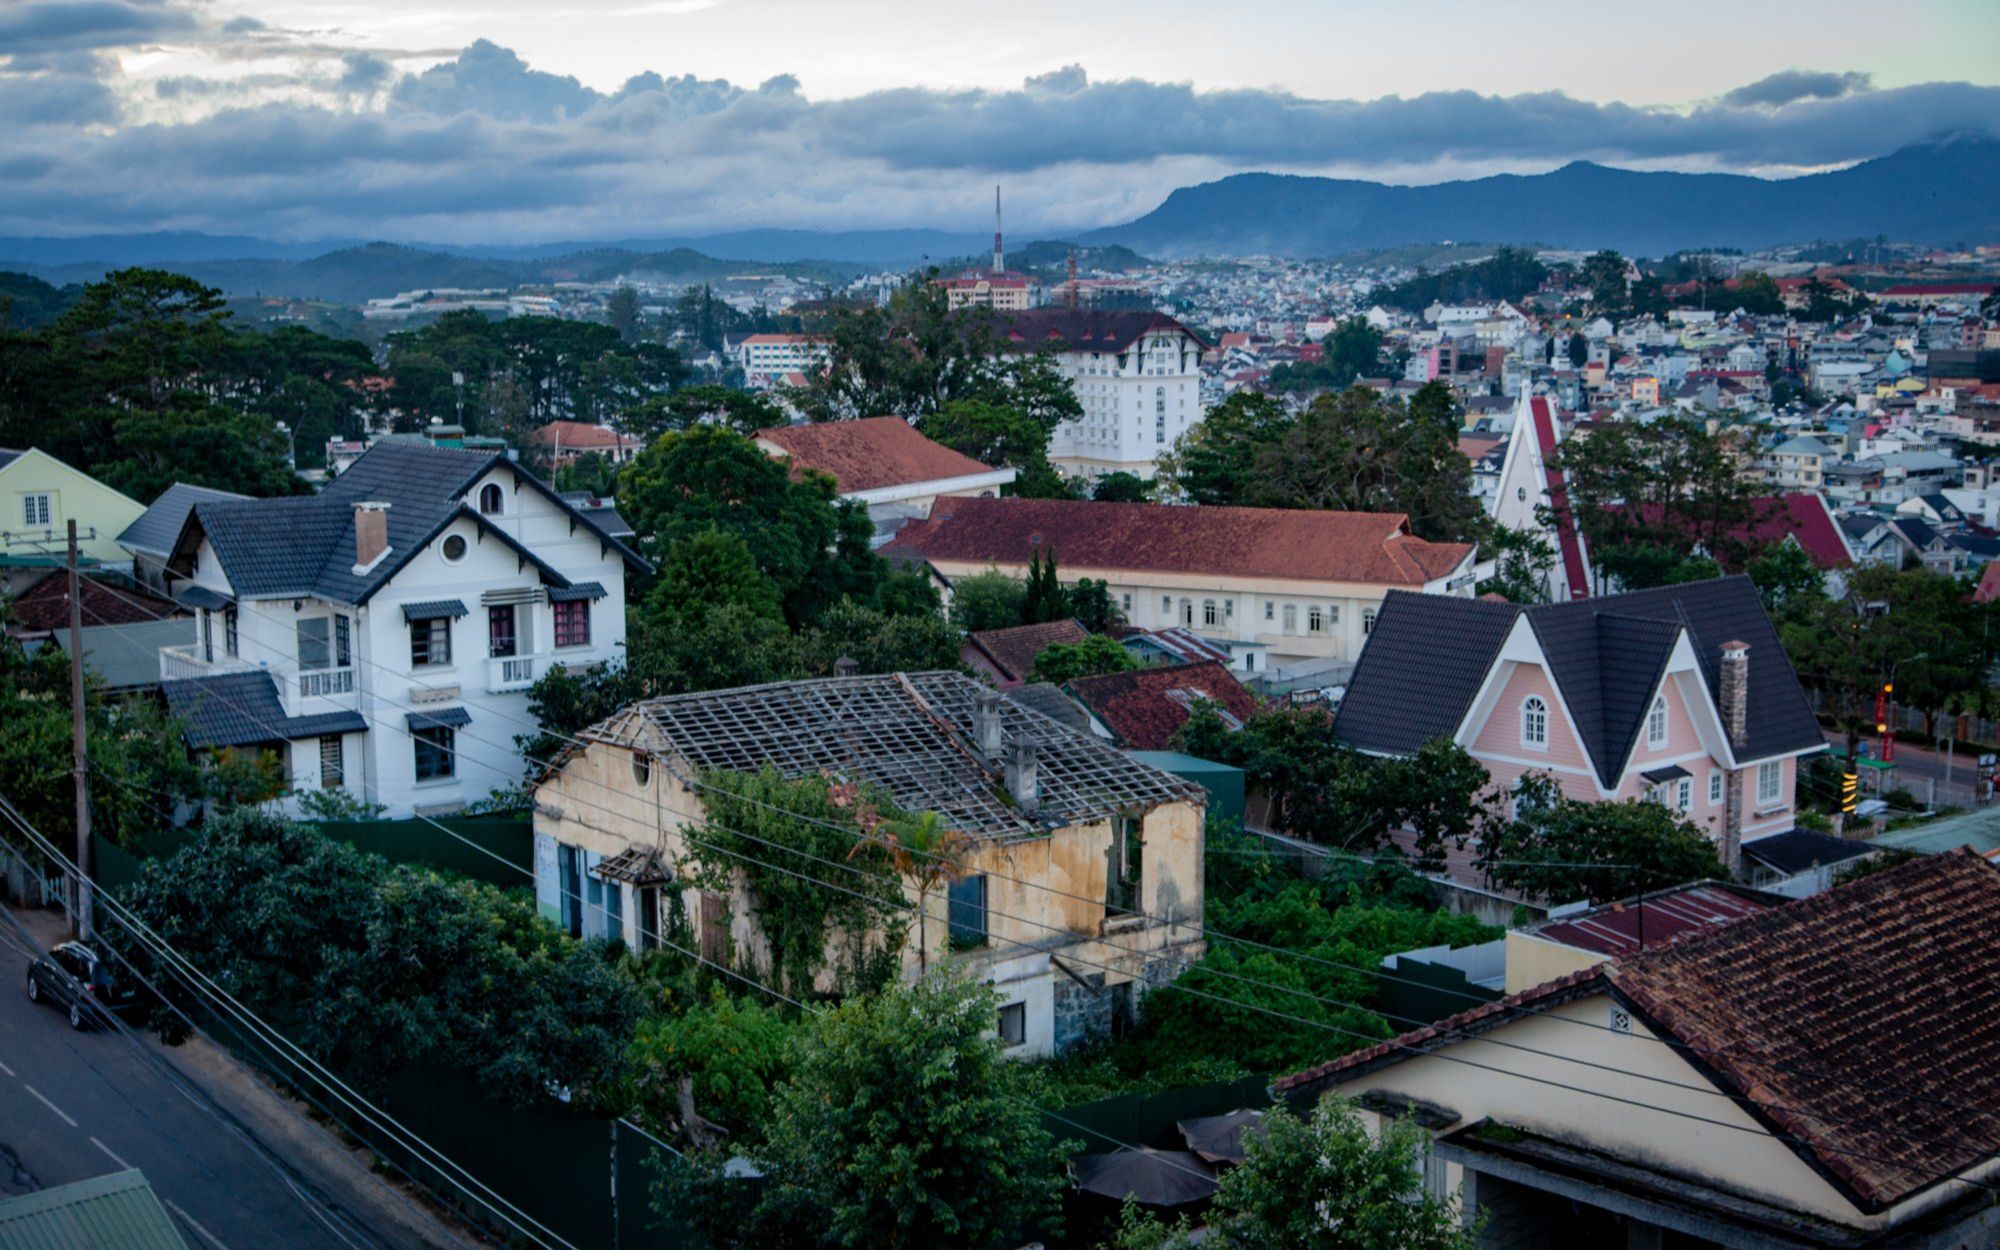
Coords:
784,837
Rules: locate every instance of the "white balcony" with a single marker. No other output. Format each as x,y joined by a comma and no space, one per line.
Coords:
185,662
321,682
514,672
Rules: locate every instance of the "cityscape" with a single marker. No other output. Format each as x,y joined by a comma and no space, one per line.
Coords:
726,624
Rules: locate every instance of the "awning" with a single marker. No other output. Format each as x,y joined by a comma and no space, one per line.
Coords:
432,609
324,724
1661,776
578,590
189,595
443,718
639,865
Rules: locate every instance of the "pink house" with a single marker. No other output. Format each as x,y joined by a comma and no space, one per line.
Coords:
1681,695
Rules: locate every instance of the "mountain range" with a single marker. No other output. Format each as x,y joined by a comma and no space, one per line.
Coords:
1943,192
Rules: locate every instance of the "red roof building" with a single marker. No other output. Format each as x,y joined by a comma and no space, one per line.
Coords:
1008,655
1144,708
871,454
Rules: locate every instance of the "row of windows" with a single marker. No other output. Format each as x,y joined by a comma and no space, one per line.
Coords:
1319,618
435,756
430,639
1770,773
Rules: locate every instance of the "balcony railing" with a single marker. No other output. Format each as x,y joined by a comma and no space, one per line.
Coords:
512,672
184,662
319,682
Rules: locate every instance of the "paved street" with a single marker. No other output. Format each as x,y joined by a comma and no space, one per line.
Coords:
1916,766
76,1105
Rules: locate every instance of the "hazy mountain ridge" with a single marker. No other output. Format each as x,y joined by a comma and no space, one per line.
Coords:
1941,193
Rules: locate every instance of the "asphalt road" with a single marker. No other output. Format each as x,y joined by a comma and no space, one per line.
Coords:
76,1105
1916,766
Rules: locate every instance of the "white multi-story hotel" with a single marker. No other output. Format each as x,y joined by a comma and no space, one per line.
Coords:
1136,373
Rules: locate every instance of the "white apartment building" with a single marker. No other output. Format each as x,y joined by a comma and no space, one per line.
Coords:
382,636
1137,375
774,355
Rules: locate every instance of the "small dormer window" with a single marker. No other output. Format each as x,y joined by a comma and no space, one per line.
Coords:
491,501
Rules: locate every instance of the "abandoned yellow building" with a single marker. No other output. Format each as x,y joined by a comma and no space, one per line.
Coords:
1081,888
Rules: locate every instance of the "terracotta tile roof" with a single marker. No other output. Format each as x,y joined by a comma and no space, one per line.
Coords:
1145,707
1629,925
580,436
871,453
1864,1021
1803,515
1275,543
1862,1024
45,605
1013,650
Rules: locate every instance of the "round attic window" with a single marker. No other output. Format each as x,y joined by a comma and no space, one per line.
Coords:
454,549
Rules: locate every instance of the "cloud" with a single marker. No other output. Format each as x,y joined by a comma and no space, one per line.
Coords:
484,147
44,25
1789,86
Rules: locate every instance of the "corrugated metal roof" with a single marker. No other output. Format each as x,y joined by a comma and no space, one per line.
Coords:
1625,927
118,1211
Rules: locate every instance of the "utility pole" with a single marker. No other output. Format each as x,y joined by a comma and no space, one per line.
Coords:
80,918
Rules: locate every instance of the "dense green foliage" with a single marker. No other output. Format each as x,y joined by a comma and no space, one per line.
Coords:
1325,1182
1511,273
1522,560
1064,661
141,382
779,837
1651,495
1921,626
1353,451
895,1128
811,544
1563,849
372,967
142,775
1352,352
989,600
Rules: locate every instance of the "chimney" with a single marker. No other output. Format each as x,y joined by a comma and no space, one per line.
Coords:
371,534
846,666
986,725
1736,690
1021,777
1736,721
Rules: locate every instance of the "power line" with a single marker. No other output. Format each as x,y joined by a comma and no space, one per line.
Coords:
275,1039
695,783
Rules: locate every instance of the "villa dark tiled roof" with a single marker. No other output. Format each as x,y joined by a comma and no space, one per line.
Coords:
1802,849
1425,662
160,524
1860,1025
1146,707
296,546
1013,650
242,709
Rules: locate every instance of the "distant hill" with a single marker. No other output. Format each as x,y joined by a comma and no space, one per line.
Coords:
1053,255
1943,192
354,275
26,302
92,254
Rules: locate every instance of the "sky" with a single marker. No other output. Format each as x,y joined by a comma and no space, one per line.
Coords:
516,121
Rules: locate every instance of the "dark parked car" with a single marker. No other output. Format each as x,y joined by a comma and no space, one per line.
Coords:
74,978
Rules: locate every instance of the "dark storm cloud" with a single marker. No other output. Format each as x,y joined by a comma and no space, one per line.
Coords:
1789,85
40,25
483,145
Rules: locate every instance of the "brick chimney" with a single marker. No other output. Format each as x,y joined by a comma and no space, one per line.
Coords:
371,534
1021,777
987,725
1735,721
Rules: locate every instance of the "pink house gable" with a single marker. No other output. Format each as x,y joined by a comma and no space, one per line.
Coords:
1498,743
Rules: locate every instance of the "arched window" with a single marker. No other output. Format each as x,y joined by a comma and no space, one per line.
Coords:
1656,722
1534,722
490,500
